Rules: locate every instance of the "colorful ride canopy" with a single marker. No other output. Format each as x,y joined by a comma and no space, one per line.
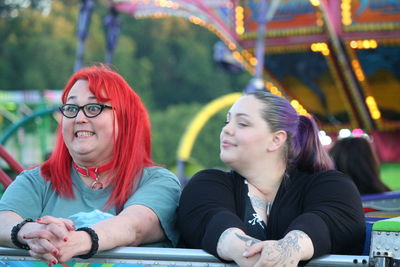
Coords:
335,59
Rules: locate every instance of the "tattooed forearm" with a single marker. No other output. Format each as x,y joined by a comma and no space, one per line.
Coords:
291,241
285,251
249,241
231,245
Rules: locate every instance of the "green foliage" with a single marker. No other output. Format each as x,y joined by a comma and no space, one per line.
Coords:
137,71
33,57
191,168
167,128
180,54
390,173
12,8
206,150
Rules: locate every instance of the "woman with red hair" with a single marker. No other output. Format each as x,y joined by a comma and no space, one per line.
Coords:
99,189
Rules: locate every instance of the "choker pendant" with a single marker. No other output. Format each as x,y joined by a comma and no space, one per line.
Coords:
97,185
93,173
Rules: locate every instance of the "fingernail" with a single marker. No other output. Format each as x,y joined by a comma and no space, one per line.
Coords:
245,254
38,219
65,239
55,252
54,262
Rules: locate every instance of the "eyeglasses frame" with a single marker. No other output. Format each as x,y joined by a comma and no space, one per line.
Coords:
102,106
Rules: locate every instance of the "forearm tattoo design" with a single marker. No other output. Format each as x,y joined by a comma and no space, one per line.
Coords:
285,248
249,241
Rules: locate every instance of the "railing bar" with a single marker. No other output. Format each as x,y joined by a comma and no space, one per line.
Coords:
175,256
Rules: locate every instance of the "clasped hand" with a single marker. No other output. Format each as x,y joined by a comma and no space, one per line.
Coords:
50,239
288,251
274,253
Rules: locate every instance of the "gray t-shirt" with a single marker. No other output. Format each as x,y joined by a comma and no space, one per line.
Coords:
31,196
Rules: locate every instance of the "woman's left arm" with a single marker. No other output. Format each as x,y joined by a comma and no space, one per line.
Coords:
296,246
135,225
148,217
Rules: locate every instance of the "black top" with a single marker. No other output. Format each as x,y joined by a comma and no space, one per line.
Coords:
255,226
326,206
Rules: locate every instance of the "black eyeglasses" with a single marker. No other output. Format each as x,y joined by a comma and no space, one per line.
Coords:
90,110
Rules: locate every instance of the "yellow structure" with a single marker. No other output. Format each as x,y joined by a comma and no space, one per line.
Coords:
192,131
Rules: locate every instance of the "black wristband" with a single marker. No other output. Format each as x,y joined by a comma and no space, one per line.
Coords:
95,242
14,234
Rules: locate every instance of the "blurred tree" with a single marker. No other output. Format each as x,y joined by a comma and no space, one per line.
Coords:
181,54
168,127
206,149
163,59
137,71
12,8
37,50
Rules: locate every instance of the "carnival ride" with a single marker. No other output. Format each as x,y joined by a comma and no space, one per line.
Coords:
38,112
335,60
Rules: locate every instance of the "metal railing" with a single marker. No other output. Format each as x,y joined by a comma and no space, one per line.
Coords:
173,257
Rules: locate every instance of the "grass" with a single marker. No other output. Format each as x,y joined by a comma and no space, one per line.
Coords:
390,173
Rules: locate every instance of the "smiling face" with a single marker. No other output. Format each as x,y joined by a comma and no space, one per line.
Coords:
89,140
246,135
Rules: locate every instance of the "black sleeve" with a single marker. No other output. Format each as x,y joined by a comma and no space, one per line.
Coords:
207,209
333,216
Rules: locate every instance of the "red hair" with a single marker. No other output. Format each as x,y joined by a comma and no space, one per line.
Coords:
132,146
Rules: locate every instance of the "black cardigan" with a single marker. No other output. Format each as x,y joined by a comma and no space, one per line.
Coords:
326,206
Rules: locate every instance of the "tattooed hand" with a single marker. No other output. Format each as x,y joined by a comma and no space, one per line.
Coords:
288,251
231,245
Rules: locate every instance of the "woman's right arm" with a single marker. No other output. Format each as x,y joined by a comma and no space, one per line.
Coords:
8,219
233,243
22,200
49,235
207,209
